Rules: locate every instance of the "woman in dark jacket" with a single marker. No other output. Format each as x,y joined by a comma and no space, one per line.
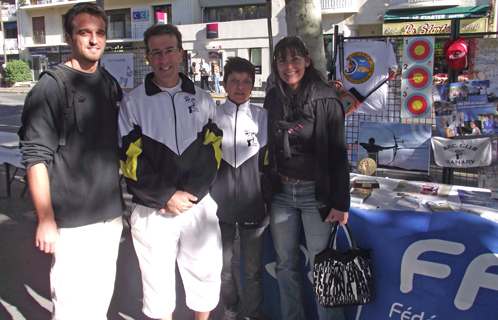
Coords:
310,177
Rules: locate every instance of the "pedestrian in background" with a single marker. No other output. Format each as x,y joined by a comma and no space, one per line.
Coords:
205,69
216,76
193,72
75,184
238,192
307,144
170,155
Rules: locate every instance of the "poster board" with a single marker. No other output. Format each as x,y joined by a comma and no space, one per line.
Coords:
120,65
397,146
466,108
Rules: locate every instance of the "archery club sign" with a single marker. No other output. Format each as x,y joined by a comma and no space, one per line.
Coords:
462,153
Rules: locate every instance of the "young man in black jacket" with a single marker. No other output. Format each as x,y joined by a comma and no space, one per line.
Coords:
75,186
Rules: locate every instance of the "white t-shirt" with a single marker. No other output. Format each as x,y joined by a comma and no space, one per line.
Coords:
366,64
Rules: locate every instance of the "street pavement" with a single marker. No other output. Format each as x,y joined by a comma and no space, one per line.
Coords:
24,270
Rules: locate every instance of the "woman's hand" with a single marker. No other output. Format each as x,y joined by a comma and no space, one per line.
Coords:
336,215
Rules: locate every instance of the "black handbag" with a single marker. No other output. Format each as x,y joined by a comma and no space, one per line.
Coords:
342,279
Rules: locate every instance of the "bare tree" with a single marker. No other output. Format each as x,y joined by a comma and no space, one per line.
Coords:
304,19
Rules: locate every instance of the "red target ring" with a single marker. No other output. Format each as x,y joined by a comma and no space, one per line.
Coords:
417,105
420,50
419,78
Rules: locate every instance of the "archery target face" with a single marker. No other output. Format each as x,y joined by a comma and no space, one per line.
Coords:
417,105
420,50
418,78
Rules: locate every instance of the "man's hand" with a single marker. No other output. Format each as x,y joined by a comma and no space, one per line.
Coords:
336,215
46,235
179,203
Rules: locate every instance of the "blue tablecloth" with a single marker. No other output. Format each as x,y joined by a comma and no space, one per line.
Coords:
441,265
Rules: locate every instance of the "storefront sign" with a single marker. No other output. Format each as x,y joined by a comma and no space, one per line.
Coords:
141,15
433,27
212,31
162,17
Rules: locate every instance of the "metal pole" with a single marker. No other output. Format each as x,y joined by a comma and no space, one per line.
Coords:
452,77
270,32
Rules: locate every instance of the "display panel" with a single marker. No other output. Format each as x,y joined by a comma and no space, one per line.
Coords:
396,146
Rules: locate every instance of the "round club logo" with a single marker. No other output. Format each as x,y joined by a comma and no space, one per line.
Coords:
359,68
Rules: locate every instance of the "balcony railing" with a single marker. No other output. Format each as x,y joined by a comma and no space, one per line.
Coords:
11,46
35,2
339,6
39,37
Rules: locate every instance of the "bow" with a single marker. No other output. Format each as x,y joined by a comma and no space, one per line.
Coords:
396,147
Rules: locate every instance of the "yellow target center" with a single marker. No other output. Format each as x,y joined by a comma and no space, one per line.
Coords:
419,50
417,105
418,77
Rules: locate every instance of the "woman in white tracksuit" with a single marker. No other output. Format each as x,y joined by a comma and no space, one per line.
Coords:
237,189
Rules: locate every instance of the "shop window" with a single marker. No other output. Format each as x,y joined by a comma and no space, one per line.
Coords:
262,12
10,30
164,8
238,13
235,13
251,12
38,30
256,58
119,24
225,14
212,15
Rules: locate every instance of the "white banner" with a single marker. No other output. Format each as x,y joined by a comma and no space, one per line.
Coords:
462,153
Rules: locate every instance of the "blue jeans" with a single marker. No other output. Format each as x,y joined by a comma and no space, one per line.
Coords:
251,247
217,82
295,207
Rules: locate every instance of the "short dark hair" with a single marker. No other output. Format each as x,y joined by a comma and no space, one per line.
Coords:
238,64
84,7
159,29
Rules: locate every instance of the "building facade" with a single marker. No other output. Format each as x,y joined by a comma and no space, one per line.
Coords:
217,29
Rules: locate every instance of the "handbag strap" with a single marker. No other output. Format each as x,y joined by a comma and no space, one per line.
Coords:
333,236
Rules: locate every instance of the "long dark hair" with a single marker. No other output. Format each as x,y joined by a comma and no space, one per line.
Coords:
293,101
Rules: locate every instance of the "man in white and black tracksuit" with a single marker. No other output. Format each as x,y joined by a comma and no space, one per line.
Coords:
170,152
237,189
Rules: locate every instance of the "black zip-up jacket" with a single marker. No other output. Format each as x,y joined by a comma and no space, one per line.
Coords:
237,189
331,159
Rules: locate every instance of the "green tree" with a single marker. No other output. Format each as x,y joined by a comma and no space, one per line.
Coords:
17,71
